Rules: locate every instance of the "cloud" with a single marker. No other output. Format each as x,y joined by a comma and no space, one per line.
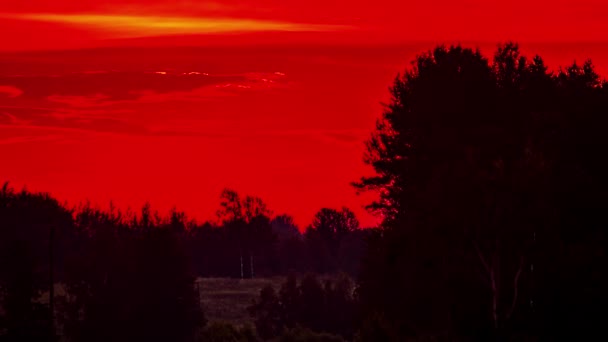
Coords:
12,119
78,100
69,119
125,102
87,89
131,26
105,89
10,91
28,138
163,100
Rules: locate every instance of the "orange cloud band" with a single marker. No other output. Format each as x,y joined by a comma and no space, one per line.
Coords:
139,26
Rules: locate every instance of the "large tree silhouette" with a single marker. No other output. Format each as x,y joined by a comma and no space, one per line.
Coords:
484,170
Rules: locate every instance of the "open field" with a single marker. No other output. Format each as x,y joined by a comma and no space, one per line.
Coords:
222,299
227,299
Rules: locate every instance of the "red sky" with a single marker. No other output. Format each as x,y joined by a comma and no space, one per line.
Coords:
61,23
171,101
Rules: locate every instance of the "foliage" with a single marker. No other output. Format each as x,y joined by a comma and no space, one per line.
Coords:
327,238
225,332
490,186
299,334
273,246
28,224
126,275
141,286
322,308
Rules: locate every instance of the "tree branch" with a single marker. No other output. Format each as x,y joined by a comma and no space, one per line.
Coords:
493,286
485,264
515,288
494,299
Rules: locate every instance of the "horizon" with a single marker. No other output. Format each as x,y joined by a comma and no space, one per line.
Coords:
274,100
207,112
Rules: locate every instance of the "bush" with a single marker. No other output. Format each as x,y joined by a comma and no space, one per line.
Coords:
299,334
226,332
322,308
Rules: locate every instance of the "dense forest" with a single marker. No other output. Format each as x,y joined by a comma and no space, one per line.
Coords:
492,190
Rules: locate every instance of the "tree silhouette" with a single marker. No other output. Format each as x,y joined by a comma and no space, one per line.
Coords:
467,157
290,298
285,228
248,225
26,222
131,280
325,234
267,313
130,276
328,307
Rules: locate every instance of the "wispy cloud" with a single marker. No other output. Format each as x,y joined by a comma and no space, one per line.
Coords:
78,100
12,119
121,102
189,101
97,90
10,91
28,138
129,26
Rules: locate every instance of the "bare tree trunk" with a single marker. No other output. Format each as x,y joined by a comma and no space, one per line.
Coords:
241,258
51,284
492,270
493,284
251,264
494,299
515,288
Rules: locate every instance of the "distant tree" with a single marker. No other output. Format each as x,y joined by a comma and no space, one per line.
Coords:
332,225
312,310
340,306
165,301
24,317
178,221
325,234
329,307
267,313
351,250
226,332
290,299
285,228
300,334
235,208
131,281
376,328
248,224
32,227
92,304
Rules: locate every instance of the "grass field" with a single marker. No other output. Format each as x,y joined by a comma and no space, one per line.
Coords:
225,299
222,299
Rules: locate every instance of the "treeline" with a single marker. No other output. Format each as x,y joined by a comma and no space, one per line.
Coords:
132,276
91,275
247,241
